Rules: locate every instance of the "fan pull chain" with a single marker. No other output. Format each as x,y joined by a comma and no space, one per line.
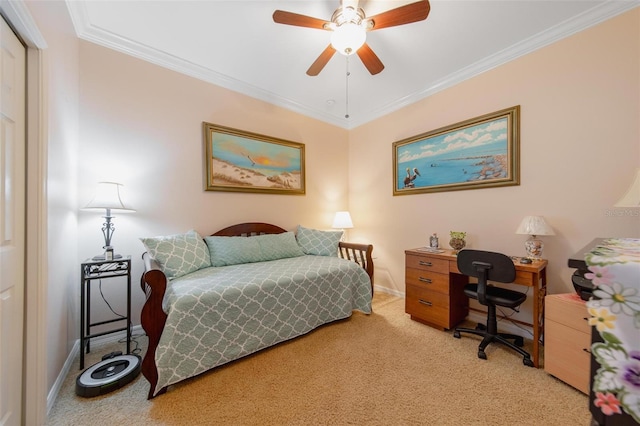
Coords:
346,115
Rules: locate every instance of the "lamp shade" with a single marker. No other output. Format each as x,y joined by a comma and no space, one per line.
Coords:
108,196
534,225
342,220
632,197
348,38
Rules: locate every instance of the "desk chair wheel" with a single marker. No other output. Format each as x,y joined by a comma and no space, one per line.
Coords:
481,354
527,361
456,334
481,327
519,341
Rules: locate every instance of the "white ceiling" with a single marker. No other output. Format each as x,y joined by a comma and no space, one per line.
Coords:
236,44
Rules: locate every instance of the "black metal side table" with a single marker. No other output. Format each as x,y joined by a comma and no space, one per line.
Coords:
92,270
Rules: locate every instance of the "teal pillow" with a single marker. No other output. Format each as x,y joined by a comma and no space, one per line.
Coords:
178,254
225,251
279,246
319,243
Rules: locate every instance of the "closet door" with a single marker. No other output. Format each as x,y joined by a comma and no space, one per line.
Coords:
12,220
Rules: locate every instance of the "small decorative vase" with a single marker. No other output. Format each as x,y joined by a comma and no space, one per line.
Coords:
457,241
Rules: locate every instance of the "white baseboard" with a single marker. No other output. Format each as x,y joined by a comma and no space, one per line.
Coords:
96,343
389,291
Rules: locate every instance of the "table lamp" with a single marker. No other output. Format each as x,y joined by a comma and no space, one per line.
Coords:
632,197
342,220
108,197
534,226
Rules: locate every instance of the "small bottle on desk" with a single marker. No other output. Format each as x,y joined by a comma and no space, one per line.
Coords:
108,253
433,241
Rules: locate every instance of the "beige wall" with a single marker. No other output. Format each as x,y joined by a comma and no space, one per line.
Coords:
141,125
580,145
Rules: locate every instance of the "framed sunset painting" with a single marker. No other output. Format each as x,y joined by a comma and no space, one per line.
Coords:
240,161
482,152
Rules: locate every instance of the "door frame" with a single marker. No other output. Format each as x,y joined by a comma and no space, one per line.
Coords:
34,395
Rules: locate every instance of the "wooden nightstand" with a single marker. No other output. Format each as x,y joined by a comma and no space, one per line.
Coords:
567,340
433,296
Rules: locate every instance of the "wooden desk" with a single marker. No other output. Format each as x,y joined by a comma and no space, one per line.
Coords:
434,291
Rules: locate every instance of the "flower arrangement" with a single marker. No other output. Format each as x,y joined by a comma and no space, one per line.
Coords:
457,241
458,235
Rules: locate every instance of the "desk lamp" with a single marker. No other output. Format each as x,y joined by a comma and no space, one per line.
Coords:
632,197
342,220
534,226
108,197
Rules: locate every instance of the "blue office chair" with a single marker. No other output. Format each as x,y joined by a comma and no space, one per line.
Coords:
489,266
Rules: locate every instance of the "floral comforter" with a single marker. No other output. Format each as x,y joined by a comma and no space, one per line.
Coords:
615,312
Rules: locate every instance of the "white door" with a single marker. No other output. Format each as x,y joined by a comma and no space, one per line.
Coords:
12,219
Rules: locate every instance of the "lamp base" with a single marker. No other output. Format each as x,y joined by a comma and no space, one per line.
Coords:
100,257
533,247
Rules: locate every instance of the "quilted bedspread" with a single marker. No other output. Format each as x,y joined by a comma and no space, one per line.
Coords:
219,314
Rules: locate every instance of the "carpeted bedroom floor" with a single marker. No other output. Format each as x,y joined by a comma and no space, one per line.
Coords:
379,369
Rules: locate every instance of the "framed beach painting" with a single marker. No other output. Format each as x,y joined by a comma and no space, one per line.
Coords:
482,152
240,161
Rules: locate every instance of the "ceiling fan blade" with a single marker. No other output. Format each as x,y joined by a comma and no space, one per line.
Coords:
290,18
406,14
322,60
370,59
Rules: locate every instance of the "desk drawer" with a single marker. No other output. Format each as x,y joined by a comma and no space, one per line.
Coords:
566,355
567,309
430,306
427,263
427,280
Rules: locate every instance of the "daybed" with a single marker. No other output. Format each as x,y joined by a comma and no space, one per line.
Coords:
212,315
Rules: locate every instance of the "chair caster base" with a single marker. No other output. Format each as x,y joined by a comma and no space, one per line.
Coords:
519,342
481,327
456,334
482,355
527,362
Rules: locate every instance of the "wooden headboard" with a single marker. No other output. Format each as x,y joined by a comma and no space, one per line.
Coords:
249,229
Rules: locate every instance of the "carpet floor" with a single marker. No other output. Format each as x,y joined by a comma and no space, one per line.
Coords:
378,369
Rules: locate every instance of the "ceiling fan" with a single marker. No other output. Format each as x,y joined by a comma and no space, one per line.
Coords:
349,26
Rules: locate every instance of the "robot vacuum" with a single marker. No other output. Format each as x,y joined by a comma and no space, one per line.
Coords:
113,372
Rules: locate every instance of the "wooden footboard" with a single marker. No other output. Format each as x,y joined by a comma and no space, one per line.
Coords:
152,318
359,253
154,284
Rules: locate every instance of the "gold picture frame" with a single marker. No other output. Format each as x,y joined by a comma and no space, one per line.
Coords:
239,161
482,152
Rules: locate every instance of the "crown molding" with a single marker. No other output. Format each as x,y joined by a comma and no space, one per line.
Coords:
565,29
86,31
18,14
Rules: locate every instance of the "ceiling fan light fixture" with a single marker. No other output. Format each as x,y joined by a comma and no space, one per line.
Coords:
349,26
348,38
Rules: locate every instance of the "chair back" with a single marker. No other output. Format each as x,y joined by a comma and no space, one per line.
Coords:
497,266
486,266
